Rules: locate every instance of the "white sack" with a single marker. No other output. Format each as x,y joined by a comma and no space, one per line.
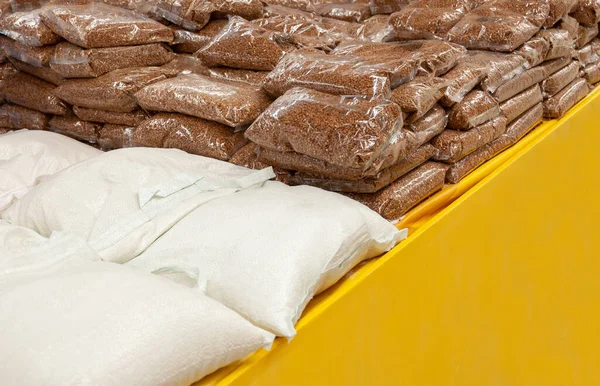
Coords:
266,251
28,156
122,200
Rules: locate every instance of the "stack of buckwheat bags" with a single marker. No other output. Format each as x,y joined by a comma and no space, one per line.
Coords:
384,101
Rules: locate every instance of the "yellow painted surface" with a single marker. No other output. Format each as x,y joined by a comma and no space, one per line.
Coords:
498,285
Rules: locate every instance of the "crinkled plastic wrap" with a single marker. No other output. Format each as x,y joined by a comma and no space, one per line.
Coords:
430,125
100,25
406,192
241,44
113,91
344,131
529,78
587,55
44,73
521,102
452,145
586,34
71,61
133,118
534,50
500,67
178,12
558,10
35,56
560,79
190,134
4,130
370,184
354,12
29,91
248,9
500,25
233,104
18,117
587,12
377,29
248,158
333,74
303,5
560,43
111,136
591,73
27,28
428,19
557,105
570,25
514,132
189,42
476,108
387,6
75,128
186,64
251,77
462,79
418,96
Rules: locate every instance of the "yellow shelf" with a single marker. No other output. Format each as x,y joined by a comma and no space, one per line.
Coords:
497,284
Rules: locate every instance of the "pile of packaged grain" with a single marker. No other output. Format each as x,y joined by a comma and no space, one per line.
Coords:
342,96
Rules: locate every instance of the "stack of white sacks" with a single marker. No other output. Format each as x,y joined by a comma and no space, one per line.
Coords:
153,266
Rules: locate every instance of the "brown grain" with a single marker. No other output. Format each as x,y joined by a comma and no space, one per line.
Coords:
113,91
230,103
570,25
45,73
500,67
387,6
28,28
406,192
18,117
71,61
133,118
560,79
241,44
347,132
419,95
430,125
178,12
476,108
452,145
534,50
111,136
557,105
248,158
248,9
253,78
558,10
29,91
462,79
586,34
190,134
377,29
185,41
35,56
587,55
101,25
522,102
354,12
560,41
591,73
587,12
75,128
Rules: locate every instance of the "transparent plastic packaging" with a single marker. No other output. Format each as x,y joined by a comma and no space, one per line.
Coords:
18,117
500,25
186,64
4,130
302,5
248,158
387,7
44,73
522,102
557,105
353,12
233,104
35,56
428,19
586,34
28,91
344,131
178,12
534,50
190,134
377,29
461,80
452,145
253,78
418,96
133,118
591,73
587,12
430,125
476,108
529,78
101,25
560,43
514,132
189,42
560,79
71,61
587,55
558,10
75,128
111,136
570,25
370,184
113,91
399,197
248,9
500,67
241,44
28,28
333,74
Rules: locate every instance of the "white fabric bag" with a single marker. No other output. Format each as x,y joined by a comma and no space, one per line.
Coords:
68,320
266,251
122,200
28,156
